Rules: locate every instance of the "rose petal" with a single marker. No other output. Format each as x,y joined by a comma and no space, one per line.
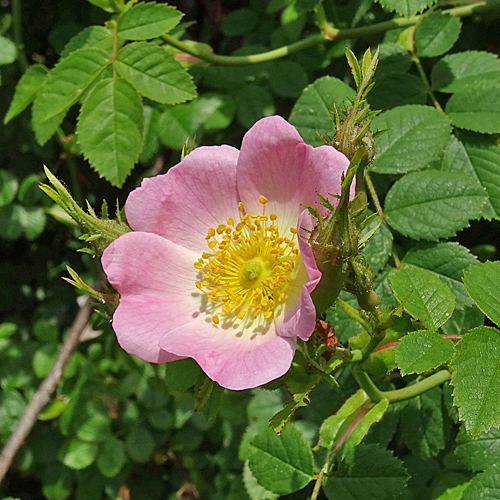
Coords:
198,193
299,315
275,162
234,361
156,282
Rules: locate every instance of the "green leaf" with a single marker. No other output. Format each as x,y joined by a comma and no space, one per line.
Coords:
8,187
397,90
408,8
476,156
399,149
379,246
436,34
447,260
482,282
94,36
431,205
239,22
477,454
281,463
52,410
110,128
394,59
46,129
421,351
57,482
8,51
476,110
253,488
67,81
465,70
476,379
12,221
454,493
428,298
253,103
348,427
485,485
140,445
182,374
311,113
96,427
34,223
111,457
155,73
26,89
463,320
44,359
78,454
7,329
147,20
375,474
422,424
151,136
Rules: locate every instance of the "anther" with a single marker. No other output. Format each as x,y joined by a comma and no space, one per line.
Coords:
263,199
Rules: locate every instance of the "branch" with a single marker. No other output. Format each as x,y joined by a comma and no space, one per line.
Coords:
44,392
333,35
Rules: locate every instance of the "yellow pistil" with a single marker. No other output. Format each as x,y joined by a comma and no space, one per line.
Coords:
248,266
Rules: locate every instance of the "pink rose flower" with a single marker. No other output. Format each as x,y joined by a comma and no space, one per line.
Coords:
214,268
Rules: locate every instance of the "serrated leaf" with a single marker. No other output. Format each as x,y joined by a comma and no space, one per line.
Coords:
482,282
110,129
454,493
374,474
476,379
287,78
407,8
93,36
45,130
394,59
436,34
476,110
111,457
253,488
379,246
428,298
431,205
400,149
155,73
26,89
463,320
422,424
147,20
478,453
67,81
485,485
397,90
281,464
465,70
478,157
311,113
447,260
420,351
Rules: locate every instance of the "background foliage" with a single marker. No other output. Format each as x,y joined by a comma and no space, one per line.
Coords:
104,104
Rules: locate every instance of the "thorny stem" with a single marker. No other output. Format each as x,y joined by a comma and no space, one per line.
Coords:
332,35
319,478
426,82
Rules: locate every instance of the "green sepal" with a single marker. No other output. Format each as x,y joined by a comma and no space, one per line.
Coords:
99,232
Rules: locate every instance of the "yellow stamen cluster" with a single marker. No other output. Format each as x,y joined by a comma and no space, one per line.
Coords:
247,266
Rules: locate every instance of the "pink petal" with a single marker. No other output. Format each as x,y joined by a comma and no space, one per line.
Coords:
275,162
198,193
235,360
156,281
299,316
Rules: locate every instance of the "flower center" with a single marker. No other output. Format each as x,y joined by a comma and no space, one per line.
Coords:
248,265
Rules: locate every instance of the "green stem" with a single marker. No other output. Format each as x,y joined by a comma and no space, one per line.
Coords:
418,388
373,194
76,189
366,383
18,34
332,35
319,480
426,82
